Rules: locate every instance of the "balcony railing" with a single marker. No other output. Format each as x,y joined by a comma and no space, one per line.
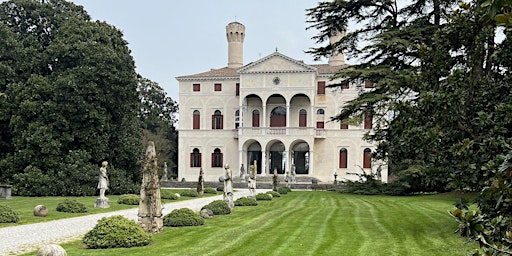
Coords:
280,131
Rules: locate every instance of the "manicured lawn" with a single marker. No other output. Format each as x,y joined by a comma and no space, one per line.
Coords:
315,223
24,206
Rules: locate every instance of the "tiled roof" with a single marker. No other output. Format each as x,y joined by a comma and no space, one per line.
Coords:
231,72
221,72
326,69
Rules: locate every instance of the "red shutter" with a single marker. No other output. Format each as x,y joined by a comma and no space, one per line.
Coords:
320,87
200,160
319,125
213,159
196,125
221,155
368,121
213,121
221,122
343,126
237,89
302,120
191,159
368,84
255,119
343,159
367,159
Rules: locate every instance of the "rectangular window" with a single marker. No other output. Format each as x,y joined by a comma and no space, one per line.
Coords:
343,158
368,121
368,84
344,86
195,159
217,121
320,89
237,89
217,159
196,87
319,125
218,87
343,126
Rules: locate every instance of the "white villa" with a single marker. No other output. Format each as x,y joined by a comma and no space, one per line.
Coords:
275,111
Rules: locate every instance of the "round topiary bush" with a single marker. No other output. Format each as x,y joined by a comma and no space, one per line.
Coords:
245,201
189,193
210,190
218,207
116,232
220,188
168,194
183,217
129,199
72,206
8,215
263,196
283,190
274,193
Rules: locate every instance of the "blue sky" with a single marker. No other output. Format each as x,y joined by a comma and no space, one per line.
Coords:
174,38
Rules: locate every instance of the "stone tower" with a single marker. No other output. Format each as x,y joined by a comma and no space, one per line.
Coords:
235,32
336,59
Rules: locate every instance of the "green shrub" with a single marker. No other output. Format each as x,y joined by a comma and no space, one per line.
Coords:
210,190
263,196
220,188
129,199
168,194
283,190
274,193
114,232
189,193
8,215
246,201
218,207
183,217
72,206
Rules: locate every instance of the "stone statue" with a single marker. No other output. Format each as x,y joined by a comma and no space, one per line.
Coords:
242,173
200,182
150,205
288,180
294,174
228,187
102,201
379,173
164,173
275,180
252,180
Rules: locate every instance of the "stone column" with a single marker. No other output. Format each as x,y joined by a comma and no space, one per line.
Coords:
263,163
287,117
264,119
311,161
150,205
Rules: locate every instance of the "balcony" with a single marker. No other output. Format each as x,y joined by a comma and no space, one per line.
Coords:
279,131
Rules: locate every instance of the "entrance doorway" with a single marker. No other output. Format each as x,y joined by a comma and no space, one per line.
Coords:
301,158
277,158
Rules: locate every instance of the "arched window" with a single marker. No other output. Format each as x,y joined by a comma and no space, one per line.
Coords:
196,120
320,119
237,119
368,122
303,117
367,161
255,118
195,158
217,120
217,158
343,158
278,117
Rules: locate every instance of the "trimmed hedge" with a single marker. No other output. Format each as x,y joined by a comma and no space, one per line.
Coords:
218,207
245,201
116,232
263,196
210,190
8,215
72,206
183,217
274,193
168,194
129,199
284,190
189,193
220,188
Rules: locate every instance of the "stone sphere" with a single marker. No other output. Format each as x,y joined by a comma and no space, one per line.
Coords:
206,213
40,211
221,179
52,250
177,195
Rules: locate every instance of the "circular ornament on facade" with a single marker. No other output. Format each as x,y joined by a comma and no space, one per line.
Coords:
276,80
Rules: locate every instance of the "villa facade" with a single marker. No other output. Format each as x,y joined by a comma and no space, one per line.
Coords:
274,111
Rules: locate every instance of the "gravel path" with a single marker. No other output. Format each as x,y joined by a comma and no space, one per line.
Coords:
22,239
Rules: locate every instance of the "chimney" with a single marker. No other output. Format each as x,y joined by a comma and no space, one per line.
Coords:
235,32
339,58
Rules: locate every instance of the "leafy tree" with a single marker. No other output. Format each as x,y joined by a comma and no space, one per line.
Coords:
157,112
71,103
441,99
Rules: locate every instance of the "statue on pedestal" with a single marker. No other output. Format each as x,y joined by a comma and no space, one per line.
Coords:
102,201
228,187
252,180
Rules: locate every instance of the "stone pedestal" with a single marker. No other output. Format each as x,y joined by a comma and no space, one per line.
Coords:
102,203
5,192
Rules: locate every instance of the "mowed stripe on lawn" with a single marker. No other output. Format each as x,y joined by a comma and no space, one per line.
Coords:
315,223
